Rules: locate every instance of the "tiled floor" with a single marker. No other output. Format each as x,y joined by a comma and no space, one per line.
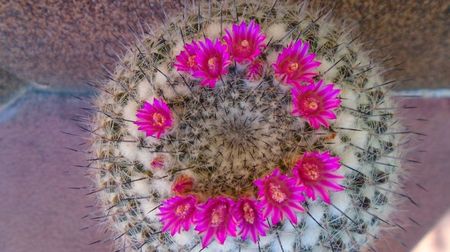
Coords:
427,182
39,211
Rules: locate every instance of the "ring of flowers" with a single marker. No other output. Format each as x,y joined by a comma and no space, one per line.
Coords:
279,195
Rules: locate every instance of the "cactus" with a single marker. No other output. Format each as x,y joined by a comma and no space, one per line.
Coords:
220,139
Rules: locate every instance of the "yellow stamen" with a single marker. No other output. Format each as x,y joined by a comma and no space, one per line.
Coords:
217,216
212,62
249,213
310,104
313,105
158,119
311,171
191,60
182,210
245,43
276,194
293,66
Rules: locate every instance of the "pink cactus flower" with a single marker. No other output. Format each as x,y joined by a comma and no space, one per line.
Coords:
183,184
315,103
214,218
158,162
316,171
212,61
177,212
255,70
154,119
249,218
185,61
280,195
245,42
295,65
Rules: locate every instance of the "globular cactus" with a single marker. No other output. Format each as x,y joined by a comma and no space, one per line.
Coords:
243,126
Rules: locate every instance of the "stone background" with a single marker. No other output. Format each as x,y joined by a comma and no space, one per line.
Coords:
63,44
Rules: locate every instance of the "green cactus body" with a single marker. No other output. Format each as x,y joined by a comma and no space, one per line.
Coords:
226,137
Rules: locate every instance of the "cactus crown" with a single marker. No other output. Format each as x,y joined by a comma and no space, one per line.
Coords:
215,132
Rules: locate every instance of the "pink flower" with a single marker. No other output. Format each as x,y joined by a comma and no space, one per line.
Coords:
249,219
155,119
315,171
245,42
280,195
186,60
316,103
214,218
255,70
212,61
158,162
182,185
295,65
177,212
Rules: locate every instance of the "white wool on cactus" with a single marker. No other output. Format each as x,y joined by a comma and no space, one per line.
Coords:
216,139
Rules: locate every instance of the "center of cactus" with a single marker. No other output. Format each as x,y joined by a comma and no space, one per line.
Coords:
235,134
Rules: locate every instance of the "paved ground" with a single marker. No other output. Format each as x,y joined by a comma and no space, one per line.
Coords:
38,210
64,43
40,213
427,183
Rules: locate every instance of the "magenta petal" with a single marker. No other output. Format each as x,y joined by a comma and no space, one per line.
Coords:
215,218
294,63
332,185
324,195
315,171
312,103
176,212
207,238
154,119
291,216
212,62
221,236
332,176
280,195
254,236
244,42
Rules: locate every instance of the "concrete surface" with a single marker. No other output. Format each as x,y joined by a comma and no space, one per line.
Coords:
40,213
64,43
38,210
427,182
437,237
10,86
